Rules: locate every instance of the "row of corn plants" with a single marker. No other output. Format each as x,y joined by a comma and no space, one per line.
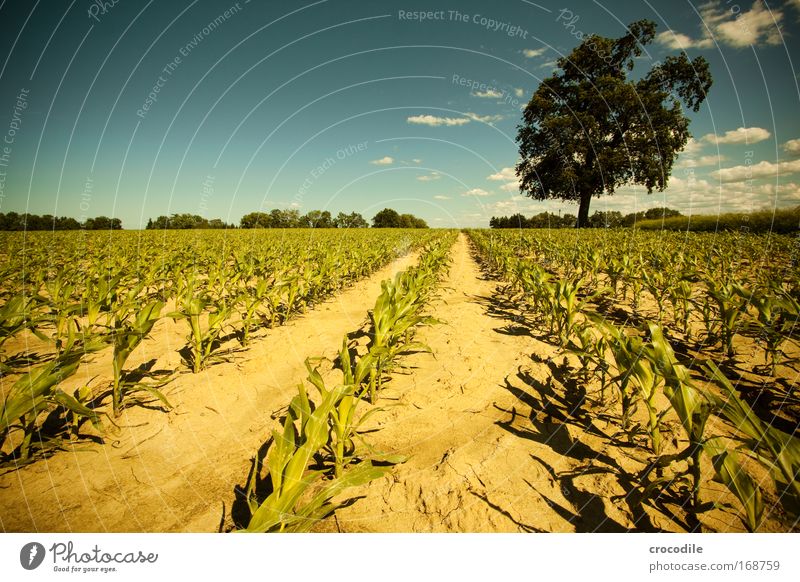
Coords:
640,365
64,296
318,453
709,288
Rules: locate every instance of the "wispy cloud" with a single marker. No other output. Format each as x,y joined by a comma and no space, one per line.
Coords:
384,161
429,177
488,94
434,121
476,192
441,197
533,53
484,118
519,92
748,135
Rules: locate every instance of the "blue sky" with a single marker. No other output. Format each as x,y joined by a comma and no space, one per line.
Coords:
219,108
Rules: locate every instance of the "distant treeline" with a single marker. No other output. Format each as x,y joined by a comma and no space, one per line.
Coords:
293,219
600,219
15,221
185,221
386,218
277,218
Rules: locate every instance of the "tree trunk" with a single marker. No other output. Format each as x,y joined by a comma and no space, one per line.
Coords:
583,210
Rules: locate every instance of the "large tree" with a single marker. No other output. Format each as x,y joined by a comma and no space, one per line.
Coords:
589,129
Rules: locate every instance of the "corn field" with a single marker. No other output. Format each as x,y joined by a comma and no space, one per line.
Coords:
684,346
650,321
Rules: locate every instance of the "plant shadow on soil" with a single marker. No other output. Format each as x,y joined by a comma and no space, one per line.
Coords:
551,411
550,415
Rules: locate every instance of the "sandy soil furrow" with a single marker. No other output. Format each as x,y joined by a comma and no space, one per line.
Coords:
172,472
494,443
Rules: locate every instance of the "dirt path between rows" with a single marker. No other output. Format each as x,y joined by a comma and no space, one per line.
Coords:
172,472
496,442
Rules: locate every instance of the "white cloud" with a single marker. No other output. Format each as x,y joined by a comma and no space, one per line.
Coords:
533,53
710,160
736,28
434,121
488,94
384,161
507,175
793,145
753,27
429,177
519,92
759,170
441,197
679,41
484,118
748,135
503,175
693,147
476,192
548,64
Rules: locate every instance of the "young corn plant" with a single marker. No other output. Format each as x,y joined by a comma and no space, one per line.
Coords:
778,314
99,297
16,315
251,305
583,346
615,271
777,451
128,333
566,306
342,414
202,339
694,409
730,473
626,352
63,313
396,314
657,284
680,295
730,306
299,496
29,397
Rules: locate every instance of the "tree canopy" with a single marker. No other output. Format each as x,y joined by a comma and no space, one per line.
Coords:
589,129
15,221
389,218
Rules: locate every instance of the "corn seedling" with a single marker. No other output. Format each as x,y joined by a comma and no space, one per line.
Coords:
680,295
778,315
202,339
30,396
299,497
730,305
777,451
730,473
127,336
692,407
